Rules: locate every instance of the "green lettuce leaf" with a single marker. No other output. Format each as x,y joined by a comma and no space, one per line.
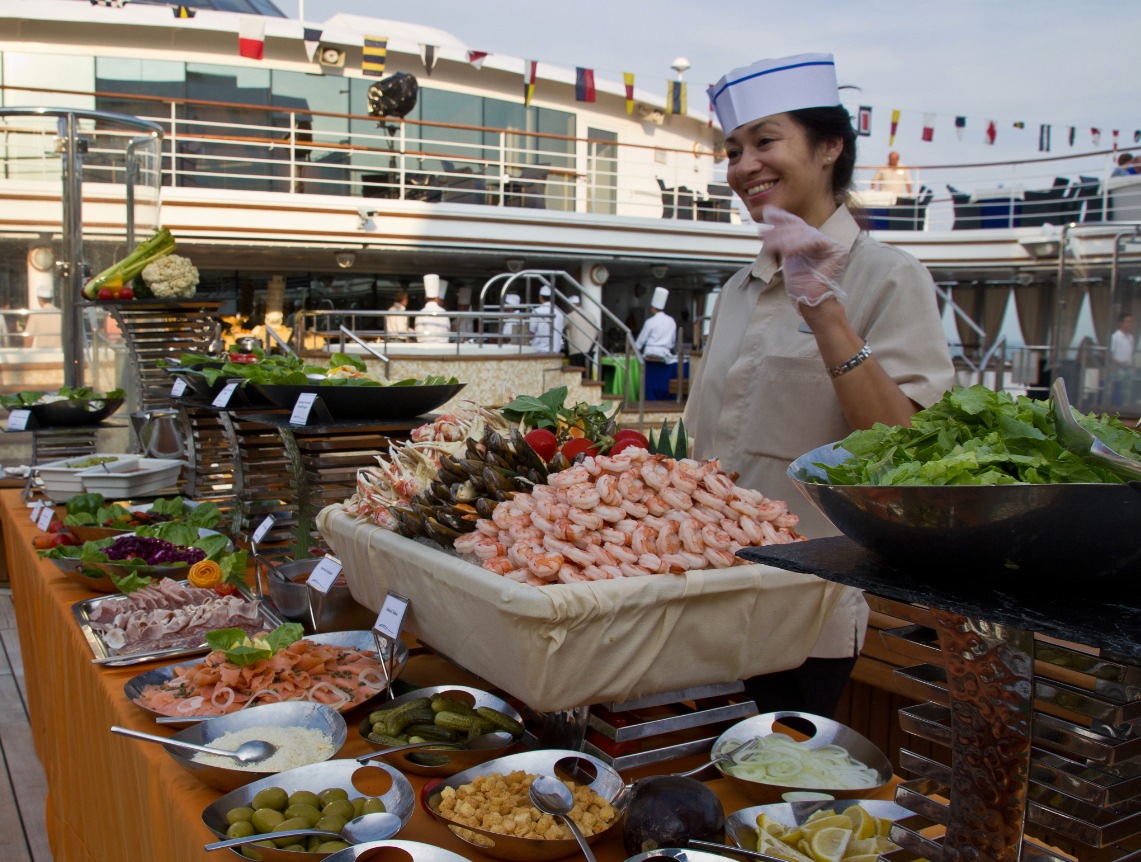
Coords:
240,650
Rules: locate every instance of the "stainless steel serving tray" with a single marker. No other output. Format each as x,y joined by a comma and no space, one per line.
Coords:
83,611
361,640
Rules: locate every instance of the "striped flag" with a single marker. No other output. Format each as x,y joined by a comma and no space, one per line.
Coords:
864,121
1095,135
1043,138
628,80
428,55
182,12
894,127
312,39
251,37
374,55
583,84
476,58
530,72
960,125
1114,137
928,127
1073,134
113,4
675,97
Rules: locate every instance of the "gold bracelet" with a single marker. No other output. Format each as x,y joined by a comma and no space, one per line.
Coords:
848,364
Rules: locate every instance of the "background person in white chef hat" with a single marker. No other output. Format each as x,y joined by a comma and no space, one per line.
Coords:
658,337
546,324
433,325
44,327
827,331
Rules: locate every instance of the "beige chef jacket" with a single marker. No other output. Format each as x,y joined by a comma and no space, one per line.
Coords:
761,397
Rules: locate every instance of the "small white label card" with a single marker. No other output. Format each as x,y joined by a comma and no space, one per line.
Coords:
301,408
178,388
263,528
324,574
223,398
34,515
44,519
18,419
390,620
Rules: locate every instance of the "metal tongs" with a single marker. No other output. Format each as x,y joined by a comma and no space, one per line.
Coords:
1076,439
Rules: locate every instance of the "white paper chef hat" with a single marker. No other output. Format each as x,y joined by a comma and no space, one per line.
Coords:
463,296
661,294
544,291
44,291
774,86
434,286
511,299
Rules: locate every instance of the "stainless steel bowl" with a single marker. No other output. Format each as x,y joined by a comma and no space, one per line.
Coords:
741,826
419,852
295,714
85,575
355,640
680,854
1040,531
285,583
446,761
819,731
398,799
581,768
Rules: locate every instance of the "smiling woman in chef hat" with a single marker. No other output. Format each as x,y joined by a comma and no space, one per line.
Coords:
828,330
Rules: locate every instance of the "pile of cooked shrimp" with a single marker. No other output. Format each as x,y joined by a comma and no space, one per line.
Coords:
624,516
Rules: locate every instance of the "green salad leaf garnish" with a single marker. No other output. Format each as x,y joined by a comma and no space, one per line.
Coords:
242,650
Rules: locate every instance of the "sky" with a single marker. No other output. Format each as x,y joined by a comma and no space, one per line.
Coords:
1058,62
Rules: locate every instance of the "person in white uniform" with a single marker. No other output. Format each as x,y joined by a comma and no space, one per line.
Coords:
465,326
433,325
546,324
827,331
396,325
43,329
658,337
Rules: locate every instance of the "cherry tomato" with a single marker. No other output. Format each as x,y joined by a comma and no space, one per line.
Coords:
224,589
55,526
579,446
126,293
631,434
626,443
105,294
543,442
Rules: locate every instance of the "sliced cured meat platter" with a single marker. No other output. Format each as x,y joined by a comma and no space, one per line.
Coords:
168,619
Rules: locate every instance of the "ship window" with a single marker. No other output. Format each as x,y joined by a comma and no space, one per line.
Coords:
602,171
51,72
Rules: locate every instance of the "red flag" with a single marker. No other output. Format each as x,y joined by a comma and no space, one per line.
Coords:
928,127
991,132
1115,139
584,85
476,58
1095,133
251,37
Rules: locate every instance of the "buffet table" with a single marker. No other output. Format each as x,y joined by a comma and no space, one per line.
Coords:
111,798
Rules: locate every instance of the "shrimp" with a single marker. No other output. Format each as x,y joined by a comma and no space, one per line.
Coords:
577,555
523,576
572,531
583,496
627,526
653,564
676,499
682,482
594,573
601,556
655,523
715,537
524,503
613,536
635,509
499,565
720,559
545,565
607,488
668,540
620,553
786,521
611,572
569,574
550,509
571,476
590,520
528,532
614,463
591,465
643,540
704,515
610,513
748,495
677,563
770,534
710,501
752,528
632,570
465,544
655,474
719,485
488,548
630,486
736,531
770,509
487,527
657,506
689,531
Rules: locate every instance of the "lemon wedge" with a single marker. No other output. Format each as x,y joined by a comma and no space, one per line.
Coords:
883,826
834,821
771,846
771,826
828,844
863,824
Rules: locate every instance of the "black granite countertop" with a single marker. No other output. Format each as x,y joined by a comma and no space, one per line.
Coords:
1078,614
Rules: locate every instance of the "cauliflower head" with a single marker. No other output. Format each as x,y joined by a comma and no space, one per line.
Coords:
171,277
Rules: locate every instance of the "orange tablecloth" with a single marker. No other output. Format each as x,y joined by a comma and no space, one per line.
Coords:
111,798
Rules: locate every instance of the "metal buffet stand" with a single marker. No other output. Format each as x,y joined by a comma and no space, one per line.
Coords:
1034,690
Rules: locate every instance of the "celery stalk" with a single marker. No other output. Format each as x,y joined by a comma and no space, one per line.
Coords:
158,246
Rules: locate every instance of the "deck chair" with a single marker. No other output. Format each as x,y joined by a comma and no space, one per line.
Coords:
1089,195
968,216
668,199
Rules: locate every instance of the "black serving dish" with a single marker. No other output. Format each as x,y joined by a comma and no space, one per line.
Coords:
348,402
74,413
1060,532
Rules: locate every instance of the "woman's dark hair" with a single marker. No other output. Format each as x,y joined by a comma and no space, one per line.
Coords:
828,124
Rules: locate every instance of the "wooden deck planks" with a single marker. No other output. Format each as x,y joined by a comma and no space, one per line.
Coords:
23,787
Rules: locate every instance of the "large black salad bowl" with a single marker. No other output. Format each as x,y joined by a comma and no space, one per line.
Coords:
75,412
1060,532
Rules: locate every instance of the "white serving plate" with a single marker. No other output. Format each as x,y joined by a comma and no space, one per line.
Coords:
62,480
124,479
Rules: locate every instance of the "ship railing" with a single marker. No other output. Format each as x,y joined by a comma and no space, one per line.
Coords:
284,150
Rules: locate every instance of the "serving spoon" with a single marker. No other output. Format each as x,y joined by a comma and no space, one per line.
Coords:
1078,440
551,796
360,830
254,751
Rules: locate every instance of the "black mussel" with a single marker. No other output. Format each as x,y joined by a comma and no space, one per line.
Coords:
525,455
474,449
440,491
522,483
559,463
496,460
484,506
457,519
536,477
496,443
409,519
464,492
503,496
450,470
441,533
494,480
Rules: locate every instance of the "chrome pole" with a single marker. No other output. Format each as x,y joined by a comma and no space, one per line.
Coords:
70,268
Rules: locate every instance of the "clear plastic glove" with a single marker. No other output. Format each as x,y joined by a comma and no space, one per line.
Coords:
813,263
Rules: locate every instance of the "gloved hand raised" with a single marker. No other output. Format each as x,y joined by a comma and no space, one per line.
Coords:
813,263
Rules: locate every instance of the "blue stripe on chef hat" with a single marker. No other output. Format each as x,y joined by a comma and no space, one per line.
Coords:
770,87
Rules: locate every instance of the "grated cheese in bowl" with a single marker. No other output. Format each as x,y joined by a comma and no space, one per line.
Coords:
296,746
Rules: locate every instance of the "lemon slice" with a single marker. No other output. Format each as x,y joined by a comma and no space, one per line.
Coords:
774,847
883,826
817,815
773,827
876,844
863,824
828,844
834,821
